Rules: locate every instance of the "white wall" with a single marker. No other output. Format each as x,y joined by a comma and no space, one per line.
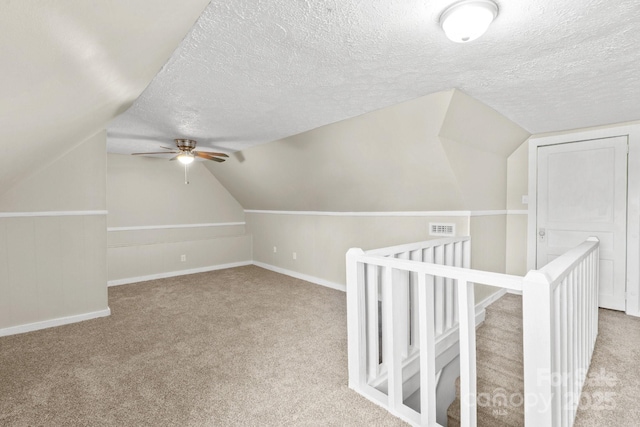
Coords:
155,218
53,242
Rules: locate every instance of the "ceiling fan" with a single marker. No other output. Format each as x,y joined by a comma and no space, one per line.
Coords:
186,152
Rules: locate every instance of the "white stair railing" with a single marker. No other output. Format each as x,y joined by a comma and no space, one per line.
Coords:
454,252
560,326
426,291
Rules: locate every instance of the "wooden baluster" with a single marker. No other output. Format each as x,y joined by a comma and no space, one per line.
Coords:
449,286
373,321
539,337
468,403
427,351
356,320
402,315
390,331
564,352
439,293
413,295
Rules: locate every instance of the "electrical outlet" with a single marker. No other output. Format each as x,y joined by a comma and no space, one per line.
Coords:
275,249
295,255
183,258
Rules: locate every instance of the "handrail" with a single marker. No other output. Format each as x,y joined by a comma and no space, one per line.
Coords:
558,269
391,250
560,328
396,313
430,281
500,280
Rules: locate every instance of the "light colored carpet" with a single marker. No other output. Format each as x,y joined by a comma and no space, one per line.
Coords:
499,366
610,395
236,347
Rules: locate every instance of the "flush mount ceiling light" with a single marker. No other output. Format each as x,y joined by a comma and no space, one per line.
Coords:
467,20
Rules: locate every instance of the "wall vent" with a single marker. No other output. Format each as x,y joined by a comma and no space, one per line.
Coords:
442,229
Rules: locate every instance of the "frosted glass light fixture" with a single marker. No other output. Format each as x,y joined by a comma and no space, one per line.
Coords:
467,20
185,158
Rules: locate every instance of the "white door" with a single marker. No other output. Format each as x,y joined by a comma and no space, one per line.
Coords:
582,192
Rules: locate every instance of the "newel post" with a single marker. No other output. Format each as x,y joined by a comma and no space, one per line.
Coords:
356,319
538,342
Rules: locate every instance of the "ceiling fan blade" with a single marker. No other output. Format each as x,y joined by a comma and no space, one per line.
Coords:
205,156
167,148
157,152
174,158
210,153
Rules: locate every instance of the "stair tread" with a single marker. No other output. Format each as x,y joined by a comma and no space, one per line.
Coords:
499,368
488,416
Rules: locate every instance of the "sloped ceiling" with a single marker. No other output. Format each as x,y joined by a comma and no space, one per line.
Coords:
69,67
392,159
252,72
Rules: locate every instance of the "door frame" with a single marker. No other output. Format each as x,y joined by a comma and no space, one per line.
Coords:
632,132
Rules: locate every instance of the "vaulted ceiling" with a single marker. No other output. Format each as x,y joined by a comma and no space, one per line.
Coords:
252,72
68,67
249,72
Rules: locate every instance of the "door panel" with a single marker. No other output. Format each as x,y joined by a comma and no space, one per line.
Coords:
582,192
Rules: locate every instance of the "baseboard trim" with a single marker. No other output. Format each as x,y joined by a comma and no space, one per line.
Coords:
30,327
308,278
383,214
491,299
301,276
129,280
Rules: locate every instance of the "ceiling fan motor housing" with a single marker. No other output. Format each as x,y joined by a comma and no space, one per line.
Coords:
185,144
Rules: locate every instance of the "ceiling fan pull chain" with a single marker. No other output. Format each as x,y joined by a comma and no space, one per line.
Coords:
186,178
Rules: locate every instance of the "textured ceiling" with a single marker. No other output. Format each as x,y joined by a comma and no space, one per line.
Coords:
252,71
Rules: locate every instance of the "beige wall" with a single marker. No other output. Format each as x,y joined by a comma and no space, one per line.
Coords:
517,186
421,155
386,160
516,256
487,248
54,266
481,175
321,241
441,152
73,181
70,67
143,192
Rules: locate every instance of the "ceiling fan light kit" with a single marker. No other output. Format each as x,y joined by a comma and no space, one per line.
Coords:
467,20
186,154
186,158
